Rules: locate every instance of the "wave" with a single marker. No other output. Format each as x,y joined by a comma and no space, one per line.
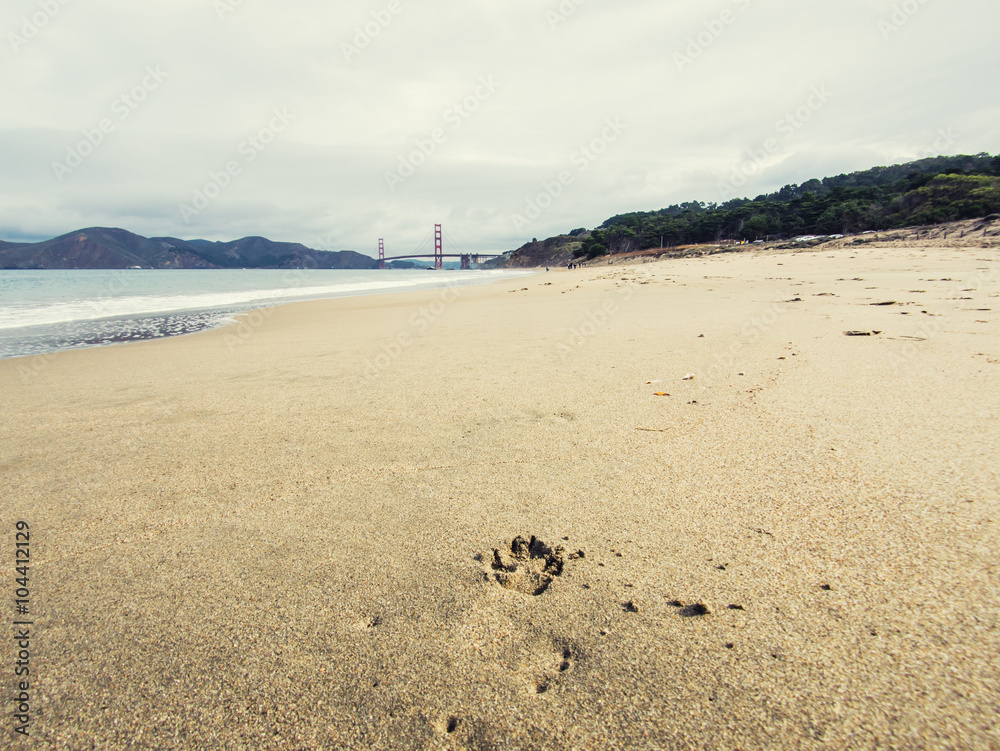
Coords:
97,308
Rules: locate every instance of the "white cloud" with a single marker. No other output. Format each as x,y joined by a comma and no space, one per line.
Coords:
321,180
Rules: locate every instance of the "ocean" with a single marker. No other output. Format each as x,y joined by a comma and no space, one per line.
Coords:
49,311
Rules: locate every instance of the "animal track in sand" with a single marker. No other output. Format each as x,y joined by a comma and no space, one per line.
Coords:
529,566
545,681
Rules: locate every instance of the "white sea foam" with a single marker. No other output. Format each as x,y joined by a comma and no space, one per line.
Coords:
26,312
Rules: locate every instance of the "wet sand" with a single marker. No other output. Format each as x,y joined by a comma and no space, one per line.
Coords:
296,533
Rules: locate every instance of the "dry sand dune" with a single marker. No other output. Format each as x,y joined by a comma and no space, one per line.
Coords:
302,532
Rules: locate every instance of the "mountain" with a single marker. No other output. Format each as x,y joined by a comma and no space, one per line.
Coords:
112,248
100,248
259,252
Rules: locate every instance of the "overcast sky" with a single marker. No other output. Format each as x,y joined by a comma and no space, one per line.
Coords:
336,123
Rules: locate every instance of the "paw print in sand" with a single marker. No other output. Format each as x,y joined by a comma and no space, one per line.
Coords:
529,566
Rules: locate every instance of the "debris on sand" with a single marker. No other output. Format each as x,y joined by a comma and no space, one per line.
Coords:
695,610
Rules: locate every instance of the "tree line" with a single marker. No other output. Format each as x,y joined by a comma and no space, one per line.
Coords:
928,191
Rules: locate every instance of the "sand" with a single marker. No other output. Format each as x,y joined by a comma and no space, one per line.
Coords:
295,533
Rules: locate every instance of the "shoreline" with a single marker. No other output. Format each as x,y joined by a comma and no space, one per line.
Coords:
304,534
150,325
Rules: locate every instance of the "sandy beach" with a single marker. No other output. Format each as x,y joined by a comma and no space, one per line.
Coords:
751,530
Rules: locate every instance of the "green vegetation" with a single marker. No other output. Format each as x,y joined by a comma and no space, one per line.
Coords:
593,246
929,191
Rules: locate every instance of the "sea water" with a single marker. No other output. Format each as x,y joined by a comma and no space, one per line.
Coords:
48,311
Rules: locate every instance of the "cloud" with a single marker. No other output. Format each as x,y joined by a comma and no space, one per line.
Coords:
562,69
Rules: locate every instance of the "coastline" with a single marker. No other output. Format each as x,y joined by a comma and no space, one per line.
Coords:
100,313
280,534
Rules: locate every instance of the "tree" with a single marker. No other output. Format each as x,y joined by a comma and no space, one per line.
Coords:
594,245
758,226
928,190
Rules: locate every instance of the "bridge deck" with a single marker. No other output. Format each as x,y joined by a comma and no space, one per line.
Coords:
445,255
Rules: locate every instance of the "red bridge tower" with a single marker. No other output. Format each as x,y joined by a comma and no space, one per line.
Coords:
438,250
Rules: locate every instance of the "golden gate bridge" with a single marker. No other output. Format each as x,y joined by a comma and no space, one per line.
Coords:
465,262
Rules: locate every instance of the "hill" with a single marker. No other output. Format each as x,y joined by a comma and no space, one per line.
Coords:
925,192
259,252
928,191
113,248
553,251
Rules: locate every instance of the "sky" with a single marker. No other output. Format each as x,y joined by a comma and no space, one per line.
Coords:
335,124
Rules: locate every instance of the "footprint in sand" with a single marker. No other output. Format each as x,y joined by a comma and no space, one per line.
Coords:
529,566
546,680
